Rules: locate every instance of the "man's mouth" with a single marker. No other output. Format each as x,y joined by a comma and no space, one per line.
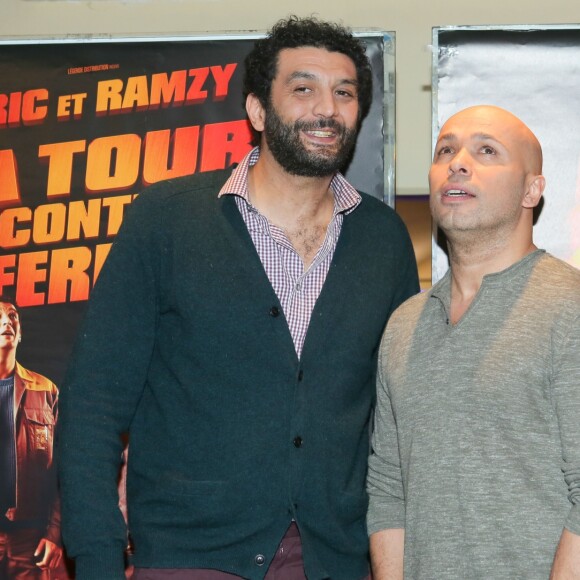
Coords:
323,129
321,133
457,193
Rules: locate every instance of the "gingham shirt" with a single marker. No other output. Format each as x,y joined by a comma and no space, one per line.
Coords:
296,289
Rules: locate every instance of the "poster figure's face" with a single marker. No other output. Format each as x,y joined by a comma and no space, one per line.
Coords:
10,333
485,172
310,123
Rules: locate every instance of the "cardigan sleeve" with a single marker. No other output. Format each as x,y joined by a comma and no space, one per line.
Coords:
104,382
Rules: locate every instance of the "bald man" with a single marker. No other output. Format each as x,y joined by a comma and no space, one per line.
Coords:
475,465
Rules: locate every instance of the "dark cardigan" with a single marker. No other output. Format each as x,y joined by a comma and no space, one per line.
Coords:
185,346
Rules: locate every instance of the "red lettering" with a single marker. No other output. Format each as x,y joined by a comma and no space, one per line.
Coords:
195,94
224,144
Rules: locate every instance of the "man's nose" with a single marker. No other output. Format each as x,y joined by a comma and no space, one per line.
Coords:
326,105
461,163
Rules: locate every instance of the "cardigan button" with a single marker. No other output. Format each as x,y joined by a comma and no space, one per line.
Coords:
297,442
300,375
274,311
260,560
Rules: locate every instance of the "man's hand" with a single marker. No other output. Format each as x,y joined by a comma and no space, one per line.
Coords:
51,554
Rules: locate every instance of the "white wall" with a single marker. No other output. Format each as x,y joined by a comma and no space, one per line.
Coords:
412,20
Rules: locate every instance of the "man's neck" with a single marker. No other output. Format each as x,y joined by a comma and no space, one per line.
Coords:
285,198
7,364
471,260
300,206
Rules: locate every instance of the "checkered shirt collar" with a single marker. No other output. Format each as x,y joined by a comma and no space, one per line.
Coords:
346,197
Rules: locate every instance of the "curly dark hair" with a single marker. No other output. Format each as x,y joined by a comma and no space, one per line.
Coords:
261,64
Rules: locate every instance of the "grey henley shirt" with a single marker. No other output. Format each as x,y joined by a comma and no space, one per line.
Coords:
476,447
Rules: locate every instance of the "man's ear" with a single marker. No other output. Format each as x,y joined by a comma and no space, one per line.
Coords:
256,112
535,189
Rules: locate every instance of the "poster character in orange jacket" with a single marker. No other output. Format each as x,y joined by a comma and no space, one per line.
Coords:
29,505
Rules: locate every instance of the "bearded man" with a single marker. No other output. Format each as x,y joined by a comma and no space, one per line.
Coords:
233,333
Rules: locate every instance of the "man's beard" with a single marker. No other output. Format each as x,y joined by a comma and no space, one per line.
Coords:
287,148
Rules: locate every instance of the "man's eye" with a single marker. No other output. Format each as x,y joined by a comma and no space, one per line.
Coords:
344,93
302,90
445,150
488,150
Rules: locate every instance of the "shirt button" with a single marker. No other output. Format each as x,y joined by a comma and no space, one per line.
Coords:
274,311
297,441
260,560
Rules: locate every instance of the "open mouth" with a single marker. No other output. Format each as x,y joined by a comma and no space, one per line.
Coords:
457,193
321,133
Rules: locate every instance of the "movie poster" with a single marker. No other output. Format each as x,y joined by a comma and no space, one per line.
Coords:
86,124
533,72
